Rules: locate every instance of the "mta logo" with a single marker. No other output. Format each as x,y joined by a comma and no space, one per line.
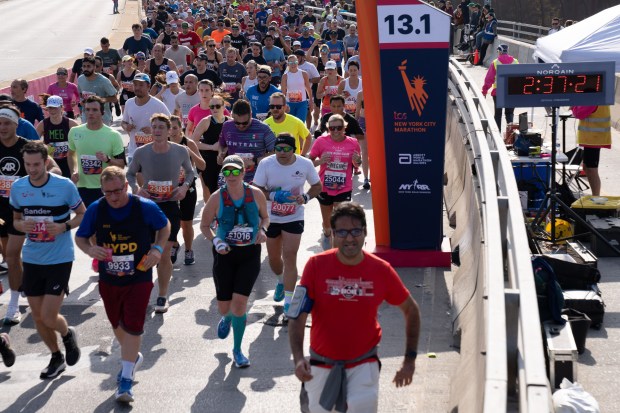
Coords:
415,89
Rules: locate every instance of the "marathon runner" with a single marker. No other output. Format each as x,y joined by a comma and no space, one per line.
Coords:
259,95
160,163
42,205
296,87
187,98
280,122
282,178
91,83
336,154
11,169
121,227
241,212
187,205
249,138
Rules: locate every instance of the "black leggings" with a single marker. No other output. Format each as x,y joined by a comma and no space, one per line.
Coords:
236,272
509,113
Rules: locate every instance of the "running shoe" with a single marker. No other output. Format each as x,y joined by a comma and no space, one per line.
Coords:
71,347
124,393
278,294
161,306
57,365
366,183
326,242
7,353
223,327
241,361
139,361
189,257
13,317
173,253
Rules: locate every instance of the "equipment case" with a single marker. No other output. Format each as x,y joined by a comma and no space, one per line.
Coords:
561,354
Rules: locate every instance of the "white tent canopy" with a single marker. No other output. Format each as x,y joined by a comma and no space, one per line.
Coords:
596,38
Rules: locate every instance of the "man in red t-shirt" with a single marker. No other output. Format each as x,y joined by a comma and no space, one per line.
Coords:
189,38
347,286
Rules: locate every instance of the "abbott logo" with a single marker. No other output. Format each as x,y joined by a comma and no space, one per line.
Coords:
414,188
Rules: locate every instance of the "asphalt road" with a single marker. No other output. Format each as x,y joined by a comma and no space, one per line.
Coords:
37,34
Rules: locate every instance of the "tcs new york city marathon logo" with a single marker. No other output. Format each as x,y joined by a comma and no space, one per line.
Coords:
415,89
417,98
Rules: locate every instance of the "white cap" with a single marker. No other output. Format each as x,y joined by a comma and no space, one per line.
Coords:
296,43
246,13
331,64
54,102
89,51
172,77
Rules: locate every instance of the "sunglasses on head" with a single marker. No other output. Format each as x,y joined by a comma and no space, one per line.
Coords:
242,123
234,172
275,106
283,148
215,107
336,128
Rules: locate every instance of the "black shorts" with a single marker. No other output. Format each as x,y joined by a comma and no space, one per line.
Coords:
187,205
325,199
41,280
591,157
173,213
275,229
6,229
236,272
211,175
89,195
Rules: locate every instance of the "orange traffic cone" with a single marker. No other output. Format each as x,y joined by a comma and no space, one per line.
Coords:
476,57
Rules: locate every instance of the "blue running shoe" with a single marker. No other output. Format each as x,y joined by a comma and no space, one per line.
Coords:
124,393
223,327
278,294
241,361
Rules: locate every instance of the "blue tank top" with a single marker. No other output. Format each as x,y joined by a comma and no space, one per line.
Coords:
238,220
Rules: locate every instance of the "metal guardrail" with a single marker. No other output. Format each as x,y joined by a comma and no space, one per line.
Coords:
515,363
527,33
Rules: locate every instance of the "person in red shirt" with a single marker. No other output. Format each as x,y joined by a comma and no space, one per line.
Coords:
347,285
189,38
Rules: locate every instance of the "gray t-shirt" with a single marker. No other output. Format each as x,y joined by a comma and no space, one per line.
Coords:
161,171
101,87
179,55
185,102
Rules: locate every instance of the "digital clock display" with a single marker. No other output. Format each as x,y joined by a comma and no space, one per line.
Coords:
555,84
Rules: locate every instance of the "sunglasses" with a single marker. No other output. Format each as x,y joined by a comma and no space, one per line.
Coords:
336,128
242,123
210,45
141,58
275,106
343,233
215,107
228,172
61,73
226,41
283,148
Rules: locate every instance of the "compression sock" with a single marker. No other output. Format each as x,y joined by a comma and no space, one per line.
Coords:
14,301
238,325
280,278
288,296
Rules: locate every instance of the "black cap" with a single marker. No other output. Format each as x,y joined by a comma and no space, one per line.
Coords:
299,52
287,140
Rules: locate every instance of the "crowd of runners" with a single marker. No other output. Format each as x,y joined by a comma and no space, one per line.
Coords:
258,106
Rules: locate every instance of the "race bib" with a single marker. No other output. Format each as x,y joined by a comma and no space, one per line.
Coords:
261,116
128,86
6,182
221,181
335,56
39,233
61,149
350,105
160,190
120,265
240,236
230,87
331,90
282,210
91,165
294,96
142,138
334,180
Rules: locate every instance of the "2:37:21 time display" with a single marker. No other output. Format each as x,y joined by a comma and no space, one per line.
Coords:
555,84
